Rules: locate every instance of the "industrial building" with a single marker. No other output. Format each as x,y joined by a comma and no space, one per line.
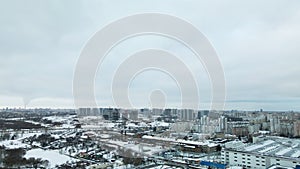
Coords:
265,152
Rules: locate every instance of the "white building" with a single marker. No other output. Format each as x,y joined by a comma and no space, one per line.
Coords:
222,124
270,151
275,125
187,114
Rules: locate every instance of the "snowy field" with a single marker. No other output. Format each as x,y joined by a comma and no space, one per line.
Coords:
53,156
15,144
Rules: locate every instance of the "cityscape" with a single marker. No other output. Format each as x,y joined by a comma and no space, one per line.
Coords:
149,138
139,84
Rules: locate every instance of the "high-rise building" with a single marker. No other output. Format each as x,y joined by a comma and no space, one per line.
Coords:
111,114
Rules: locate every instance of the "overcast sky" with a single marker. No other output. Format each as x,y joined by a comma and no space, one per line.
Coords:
257,43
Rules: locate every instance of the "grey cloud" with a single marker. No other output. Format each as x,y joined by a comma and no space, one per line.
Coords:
257,42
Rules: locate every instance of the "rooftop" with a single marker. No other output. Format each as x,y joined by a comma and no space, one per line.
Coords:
271,146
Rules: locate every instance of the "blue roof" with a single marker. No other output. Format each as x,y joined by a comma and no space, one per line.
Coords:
212,164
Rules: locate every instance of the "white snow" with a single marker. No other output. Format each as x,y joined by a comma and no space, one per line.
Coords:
296,154
283,151
162,167
13,144
53,156
106,136
254,147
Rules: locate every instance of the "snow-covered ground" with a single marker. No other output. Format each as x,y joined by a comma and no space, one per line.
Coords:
13,144
105,136
37,123
66,120
163,167
53,156
60,118
149,150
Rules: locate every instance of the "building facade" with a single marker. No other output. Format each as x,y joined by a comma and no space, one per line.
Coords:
263,154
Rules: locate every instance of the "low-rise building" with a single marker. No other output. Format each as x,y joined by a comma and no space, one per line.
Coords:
262,154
